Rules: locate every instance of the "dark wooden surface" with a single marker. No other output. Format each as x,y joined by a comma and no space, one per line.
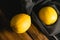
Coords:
33,34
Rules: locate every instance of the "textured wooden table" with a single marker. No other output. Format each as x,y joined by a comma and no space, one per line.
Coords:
33,34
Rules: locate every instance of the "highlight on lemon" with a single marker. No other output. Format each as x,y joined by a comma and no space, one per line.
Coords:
48,15
20,23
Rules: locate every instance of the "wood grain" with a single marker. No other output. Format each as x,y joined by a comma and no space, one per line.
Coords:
6,35
35,34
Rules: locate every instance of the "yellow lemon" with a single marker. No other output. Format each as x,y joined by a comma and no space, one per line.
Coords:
20,23
48,15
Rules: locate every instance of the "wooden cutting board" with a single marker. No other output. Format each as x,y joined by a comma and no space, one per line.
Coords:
31,34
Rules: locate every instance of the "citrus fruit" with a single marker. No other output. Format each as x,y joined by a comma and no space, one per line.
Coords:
48,15
20,23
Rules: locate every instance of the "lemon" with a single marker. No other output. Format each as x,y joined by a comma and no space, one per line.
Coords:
20,23
48,15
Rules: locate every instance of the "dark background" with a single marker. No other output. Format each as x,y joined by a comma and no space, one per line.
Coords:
9,8
12,7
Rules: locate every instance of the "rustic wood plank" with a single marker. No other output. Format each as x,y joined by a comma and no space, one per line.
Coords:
6,35
35,34
25,36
